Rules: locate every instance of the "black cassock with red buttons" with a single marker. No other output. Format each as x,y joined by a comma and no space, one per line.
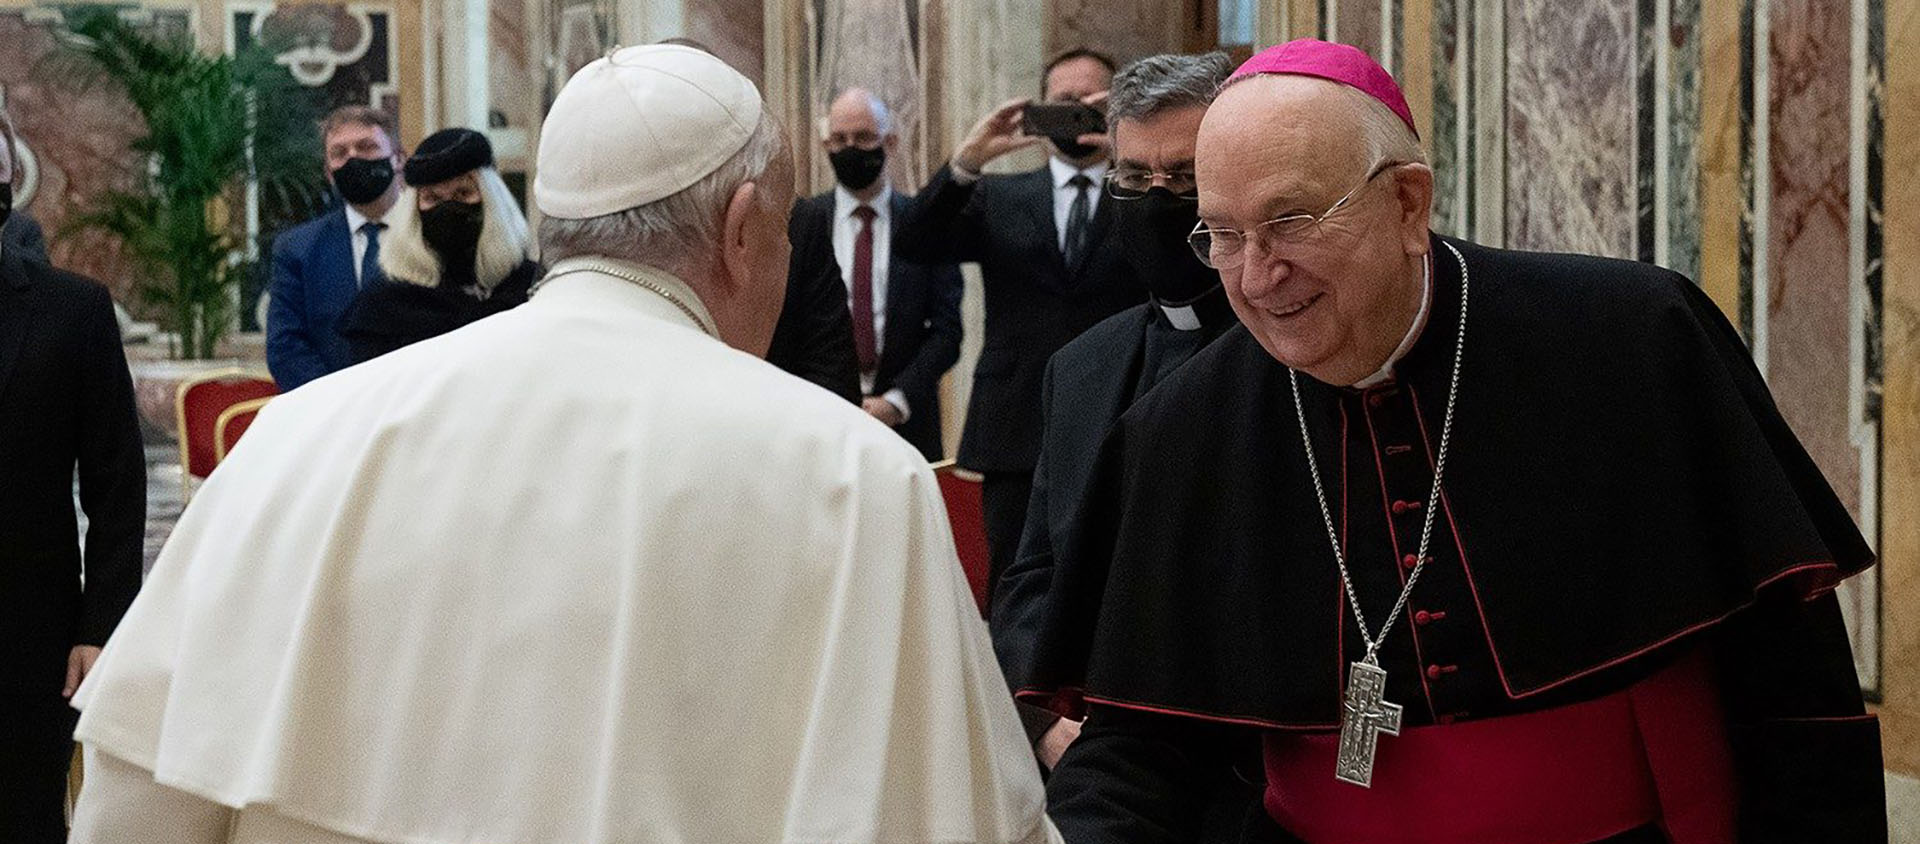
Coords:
1620,491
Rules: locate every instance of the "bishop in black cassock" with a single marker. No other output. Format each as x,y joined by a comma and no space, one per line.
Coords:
1622,627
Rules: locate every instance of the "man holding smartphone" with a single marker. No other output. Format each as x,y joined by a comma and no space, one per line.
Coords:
1044,242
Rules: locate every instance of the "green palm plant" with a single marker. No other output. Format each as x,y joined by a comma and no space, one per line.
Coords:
214,124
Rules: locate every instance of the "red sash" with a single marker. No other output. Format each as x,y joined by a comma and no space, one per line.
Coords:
1654,753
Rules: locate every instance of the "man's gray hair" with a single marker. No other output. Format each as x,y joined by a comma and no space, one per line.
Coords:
668,233
1164,82
882,116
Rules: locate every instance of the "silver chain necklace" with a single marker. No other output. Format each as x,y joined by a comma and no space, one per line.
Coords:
635,280
1364,713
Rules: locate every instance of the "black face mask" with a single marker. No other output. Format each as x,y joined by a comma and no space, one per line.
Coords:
1154,229
6,202
858,168
363,180
1071,147
452,231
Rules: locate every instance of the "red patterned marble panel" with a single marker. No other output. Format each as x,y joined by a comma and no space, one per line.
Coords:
736,31
79,144
1809,313
1571,137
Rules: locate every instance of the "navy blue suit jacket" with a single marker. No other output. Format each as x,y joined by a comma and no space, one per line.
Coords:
313,282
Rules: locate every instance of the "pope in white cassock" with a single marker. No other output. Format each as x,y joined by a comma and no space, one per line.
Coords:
586,571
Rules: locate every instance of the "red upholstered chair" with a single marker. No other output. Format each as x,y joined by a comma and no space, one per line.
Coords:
197,405
961,489
232,423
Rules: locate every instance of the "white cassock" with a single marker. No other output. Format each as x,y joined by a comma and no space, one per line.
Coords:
575,573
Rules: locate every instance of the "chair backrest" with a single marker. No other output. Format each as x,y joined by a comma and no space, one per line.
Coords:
232,423
961,490
197,405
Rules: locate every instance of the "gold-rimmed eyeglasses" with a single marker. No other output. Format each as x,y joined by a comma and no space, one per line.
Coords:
1128,183
1224,248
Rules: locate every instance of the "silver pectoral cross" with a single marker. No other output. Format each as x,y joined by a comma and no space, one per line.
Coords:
1364,717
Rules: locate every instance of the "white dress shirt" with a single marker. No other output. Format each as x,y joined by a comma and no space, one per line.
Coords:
1064,194
356,226
846,228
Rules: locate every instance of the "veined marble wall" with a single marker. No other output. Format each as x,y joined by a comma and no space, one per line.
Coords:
72,144
1123,29
1811,298
1579,127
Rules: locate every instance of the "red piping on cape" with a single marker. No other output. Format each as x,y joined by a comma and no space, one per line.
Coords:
1818,586
1080,695
1393,535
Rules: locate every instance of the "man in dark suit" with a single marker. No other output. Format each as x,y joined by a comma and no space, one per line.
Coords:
66,402
905,316
320,264
1051,268
1155,111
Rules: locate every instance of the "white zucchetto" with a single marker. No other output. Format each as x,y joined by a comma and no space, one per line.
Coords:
639,125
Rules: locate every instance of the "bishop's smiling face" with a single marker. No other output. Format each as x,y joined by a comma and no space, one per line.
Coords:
1338,300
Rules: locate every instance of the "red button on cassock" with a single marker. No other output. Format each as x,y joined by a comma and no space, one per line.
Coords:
1409,561
1422,618
1433,672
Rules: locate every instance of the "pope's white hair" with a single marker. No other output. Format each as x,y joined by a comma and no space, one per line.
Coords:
504,240
673,232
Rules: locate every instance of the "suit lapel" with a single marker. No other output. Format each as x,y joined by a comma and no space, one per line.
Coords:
1038,203
338,241
1096,233
901,287
16,311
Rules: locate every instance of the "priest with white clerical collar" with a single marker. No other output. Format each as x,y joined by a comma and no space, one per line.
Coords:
587,571
1473,545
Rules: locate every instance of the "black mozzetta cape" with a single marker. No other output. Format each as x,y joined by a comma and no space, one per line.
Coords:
1619,479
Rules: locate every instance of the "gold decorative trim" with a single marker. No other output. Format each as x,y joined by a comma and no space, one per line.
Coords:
227,416
180,415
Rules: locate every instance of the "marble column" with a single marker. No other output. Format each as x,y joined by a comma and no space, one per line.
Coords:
1124,29
1900,542
874,44
1570,128
992,51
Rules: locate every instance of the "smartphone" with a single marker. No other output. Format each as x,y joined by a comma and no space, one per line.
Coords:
1062,120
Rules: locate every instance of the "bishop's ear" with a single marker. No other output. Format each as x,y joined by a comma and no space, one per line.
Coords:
1413,184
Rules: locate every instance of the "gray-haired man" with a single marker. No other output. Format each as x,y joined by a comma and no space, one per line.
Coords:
1155,109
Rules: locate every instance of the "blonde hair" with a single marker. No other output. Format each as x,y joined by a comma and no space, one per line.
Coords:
504,240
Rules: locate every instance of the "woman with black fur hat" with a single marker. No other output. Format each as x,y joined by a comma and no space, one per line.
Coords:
457,250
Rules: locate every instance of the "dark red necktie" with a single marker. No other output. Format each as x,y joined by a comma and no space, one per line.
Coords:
863,339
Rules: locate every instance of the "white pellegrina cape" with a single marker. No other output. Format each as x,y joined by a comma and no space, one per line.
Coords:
574,573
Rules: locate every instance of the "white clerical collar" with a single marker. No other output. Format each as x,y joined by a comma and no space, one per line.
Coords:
844,202
1182,317
1064,172
1385,371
